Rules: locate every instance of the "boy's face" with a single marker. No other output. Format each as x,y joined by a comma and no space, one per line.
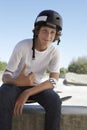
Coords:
47,34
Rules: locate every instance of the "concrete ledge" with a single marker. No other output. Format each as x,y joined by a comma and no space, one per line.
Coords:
74,118
74,110
33,118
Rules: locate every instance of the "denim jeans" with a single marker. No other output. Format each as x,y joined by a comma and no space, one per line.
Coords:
48,99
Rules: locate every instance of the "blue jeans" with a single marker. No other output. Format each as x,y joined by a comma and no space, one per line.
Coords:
48,99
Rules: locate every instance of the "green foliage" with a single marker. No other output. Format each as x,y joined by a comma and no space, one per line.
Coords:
47,71
78,66
62,72
2,65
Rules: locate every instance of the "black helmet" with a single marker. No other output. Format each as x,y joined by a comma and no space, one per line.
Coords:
49,16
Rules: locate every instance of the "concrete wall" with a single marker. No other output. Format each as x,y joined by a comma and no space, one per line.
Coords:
33,118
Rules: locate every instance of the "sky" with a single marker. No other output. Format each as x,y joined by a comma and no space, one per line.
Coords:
17,22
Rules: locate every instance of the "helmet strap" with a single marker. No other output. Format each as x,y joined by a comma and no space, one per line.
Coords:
58,41
33,48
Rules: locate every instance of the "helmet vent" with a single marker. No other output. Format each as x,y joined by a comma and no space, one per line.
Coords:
57,18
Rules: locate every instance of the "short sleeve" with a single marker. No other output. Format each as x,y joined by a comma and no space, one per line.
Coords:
15,58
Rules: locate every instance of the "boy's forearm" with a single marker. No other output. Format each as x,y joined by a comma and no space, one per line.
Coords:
40,87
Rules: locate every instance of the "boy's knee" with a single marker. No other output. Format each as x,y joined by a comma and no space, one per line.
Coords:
6,94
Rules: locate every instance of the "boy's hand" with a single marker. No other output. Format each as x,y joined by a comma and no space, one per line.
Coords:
21,100
23,80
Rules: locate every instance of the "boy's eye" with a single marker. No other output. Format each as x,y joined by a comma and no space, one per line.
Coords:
45,31
53,32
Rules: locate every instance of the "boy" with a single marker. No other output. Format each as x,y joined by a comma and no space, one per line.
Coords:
28,63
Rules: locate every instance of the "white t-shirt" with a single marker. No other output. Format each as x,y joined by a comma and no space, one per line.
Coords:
22,54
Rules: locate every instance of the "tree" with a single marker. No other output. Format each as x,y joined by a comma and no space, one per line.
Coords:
62,72
2,65
78,66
